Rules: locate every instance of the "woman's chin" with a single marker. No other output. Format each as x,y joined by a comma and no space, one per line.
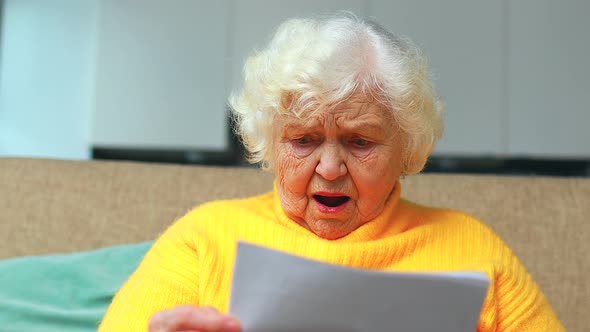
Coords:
331,229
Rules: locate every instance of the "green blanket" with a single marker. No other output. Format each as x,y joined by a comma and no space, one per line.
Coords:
68,292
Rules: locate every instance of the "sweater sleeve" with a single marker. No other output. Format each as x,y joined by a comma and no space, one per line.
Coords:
515,302
522,306
165,278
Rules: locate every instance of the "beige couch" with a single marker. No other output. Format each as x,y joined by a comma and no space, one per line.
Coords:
51,206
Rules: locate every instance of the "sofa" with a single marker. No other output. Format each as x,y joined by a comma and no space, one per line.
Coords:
60,207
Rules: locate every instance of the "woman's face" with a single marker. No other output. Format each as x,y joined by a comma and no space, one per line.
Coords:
336,168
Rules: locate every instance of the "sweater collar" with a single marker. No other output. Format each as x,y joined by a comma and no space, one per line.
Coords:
385,224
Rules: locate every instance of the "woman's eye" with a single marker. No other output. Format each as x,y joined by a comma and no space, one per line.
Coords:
305,140
359,142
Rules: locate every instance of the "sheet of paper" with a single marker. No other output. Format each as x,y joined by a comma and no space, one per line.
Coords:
277,292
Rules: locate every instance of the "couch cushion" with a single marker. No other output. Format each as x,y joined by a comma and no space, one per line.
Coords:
58,206
63,206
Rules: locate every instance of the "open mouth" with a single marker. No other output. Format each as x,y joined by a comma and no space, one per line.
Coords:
331,201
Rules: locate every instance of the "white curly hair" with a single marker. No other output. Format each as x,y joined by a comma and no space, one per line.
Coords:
314,63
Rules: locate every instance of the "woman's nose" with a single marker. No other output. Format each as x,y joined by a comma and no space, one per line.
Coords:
331,163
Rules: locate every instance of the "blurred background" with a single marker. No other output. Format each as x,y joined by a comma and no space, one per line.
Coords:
148,80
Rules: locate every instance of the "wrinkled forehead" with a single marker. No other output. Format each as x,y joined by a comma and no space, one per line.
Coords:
356,111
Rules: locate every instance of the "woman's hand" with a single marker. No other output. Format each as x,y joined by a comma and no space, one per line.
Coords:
190,318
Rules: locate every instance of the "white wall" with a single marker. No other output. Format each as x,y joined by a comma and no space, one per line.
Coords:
161,74
47,78
548,78
514,74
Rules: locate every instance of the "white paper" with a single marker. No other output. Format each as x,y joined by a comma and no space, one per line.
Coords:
277,292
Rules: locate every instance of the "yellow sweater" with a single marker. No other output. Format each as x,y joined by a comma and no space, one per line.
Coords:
192,262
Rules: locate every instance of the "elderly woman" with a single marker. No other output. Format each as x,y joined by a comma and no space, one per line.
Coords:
338,109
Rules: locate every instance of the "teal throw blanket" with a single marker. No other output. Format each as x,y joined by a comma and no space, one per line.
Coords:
65,293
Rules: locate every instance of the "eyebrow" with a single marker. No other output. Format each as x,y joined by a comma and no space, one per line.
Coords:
363,125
